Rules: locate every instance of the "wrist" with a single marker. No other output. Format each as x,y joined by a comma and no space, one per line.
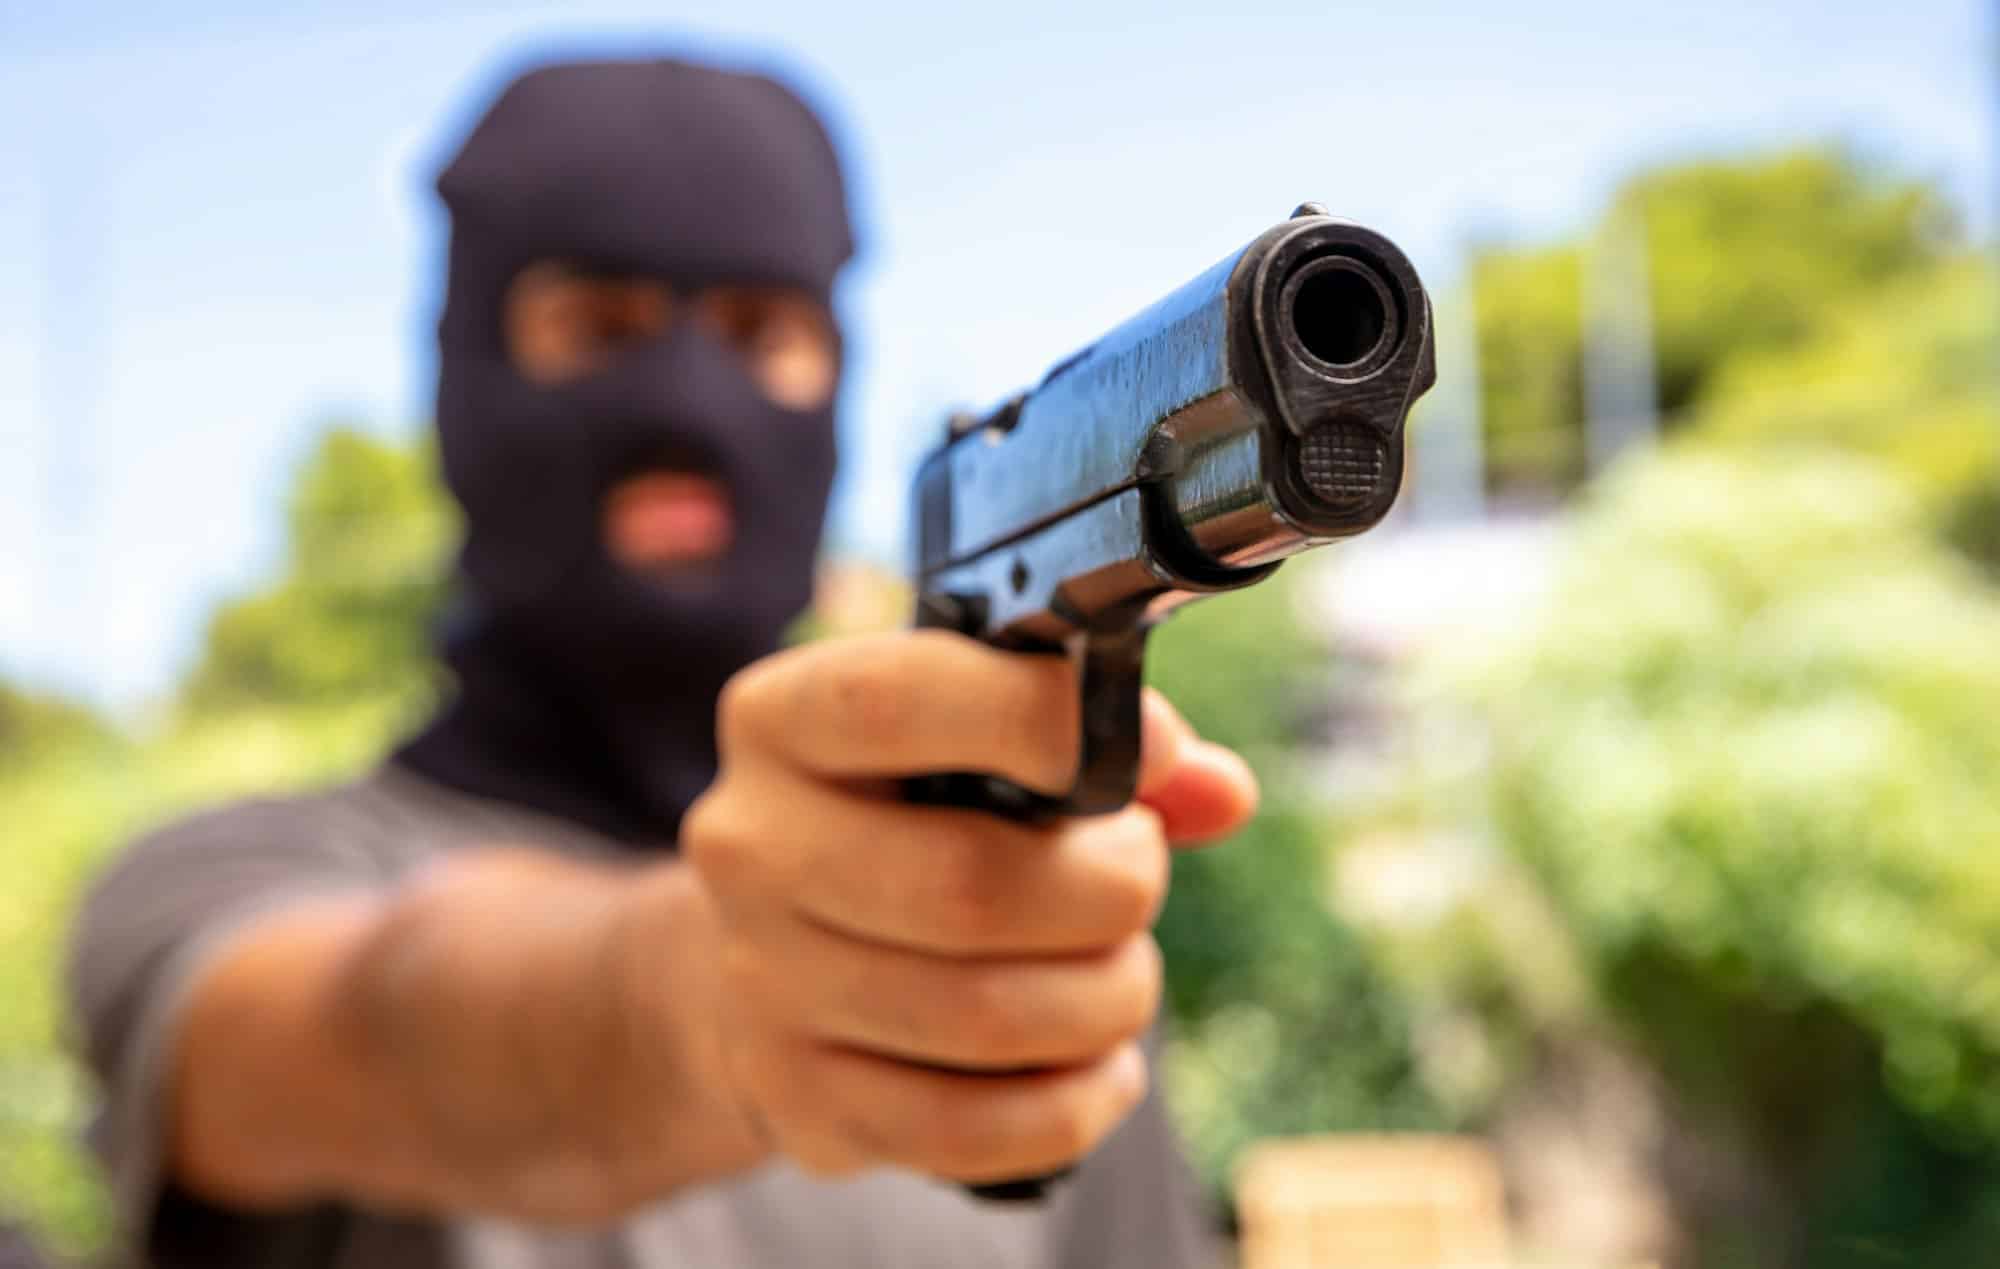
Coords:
666,944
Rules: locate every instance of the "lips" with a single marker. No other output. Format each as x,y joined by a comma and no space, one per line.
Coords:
664,519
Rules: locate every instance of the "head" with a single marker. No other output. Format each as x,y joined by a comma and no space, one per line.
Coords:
639,359
637,368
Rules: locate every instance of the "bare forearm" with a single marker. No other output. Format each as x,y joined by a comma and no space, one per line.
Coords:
491,1038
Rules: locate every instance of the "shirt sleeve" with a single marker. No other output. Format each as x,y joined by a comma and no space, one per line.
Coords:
147,928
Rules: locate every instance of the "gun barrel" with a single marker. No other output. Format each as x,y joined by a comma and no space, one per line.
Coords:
1341,328
1253,413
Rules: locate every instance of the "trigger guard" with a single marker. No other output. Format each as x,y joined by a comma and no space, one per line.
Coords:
1111,657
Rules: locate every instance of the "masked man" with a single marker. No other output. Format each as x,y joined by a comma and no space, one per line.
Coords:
634,957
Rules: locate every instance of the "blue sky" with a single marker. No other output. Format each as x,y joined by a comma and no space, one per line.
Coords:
216,233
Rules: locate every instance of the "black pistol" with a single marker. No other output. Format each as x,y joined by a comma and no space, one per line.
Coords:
1252,414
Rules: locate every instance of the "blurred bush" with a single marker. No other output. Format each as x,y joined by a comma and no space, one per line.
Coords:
1747,256
1758,253
1905,374
349,615
1746,760
1725,808
34,726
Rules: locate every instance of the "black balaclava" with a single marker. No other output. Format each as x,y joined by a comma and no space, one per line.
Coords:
586,691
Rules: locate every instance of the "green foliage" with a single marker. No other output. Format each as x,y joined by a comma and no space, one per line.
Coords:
32,724
1527,307
1907,373
1285,1025
1972,523
59,810
1747,755
66,809
1748,258
1897,1199
349,616
1776,695
1733,788
1753,255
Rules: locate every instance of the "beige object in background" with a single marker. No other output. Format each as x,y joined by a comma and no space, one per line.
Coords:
1369,1202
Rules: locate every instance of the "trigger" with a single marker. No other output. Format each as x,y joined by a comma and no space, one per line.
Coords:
1112,682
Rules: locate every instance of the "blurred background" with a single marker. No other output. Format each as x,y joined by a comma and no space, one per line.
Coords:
1627,889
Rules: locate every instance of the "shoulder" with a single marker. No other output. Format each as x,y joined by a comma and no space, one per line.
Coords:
326,825
388,820
183,874
370,832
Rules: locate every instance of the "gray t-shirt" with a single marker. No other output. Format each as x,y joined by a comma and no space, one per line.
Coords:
172,899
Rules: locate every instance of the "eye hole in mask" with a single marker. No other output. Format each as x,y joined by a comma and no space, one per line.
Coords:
564,323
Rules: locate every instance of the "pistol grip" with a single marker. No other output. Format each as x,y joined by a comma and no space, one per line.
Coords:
1111,682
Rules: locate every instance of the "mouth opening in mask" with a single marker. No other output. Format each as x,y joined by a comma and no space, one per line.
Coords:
664,521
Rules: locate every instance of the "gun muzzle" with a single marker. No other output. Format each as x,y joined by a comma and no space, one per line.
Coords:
1340,328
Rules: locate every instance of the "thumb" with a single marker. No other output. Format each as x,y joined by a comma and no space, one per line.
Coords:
1199,790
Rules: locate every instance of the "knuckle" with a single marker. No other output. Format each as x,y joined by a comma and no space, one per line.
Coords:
714,839
1152,864
986,1018
744,701
866,696
930,643
965,895
701,830
1142,973
1137,869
